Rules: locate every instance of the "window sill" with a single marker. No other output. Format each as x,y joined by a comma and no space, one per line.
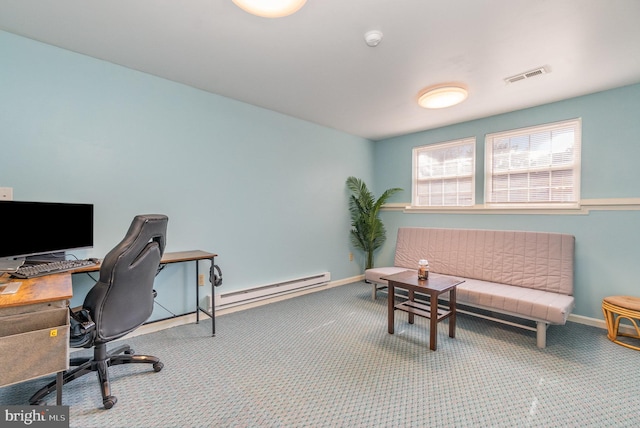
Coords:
586,206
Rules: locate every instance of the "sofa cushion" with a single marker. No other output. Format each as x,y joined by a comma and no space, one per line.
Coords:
519,301
535,260
376,274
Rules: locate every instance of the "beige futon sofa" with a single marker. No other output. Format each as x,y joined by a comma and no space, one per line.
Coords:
526,275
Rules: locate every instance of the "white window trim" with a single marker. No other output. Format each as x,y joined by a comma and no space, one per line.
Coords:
414,167
577,123
585,208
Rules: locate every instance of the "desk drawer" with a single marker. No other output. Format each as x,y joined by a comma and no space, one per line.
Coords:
33,344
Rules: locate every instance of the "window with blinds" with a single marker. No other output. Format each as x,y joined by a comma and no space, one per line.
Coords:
537,166
443,174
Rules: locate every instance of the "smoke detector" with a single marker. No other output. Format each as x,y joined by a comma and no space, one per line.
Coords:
373,38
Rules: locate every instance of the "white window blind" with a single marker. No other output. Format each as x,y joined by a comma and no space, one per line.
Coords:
443,174
534,166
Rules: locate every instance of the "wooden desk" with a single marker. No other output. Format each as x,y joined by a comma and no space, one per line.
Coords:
45,289
197,255
34,330
182,257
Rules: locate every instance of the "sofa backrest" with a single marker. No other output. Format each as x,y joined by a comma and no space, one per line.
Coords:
537,260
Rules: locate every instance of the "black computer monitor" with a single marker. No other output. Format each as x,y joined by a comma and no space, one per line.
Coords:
29,229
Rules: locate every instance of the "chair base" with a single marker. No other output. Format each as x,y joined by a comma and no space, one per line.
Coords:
616,308
100,363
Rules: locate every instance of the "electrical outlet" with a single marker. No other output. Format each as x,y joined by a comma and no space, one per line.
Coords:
6,193
201,279
350,257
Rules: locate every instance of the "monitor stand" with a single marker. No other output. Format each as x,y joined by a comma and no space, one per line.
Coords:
46,258
10,265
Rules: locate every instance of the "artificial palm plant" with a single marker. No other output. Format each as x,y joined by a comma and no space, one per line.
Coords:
367,231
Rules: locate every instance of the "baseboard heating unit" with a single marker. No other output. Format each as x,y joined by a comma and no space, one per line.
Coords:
255,294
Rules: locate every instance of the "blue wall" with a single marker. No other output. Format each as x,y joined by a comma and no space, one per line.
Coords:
266,191
607,241
263,190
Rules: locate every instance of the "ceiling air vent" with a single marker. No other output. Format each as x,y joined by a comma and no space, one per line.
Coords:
526,75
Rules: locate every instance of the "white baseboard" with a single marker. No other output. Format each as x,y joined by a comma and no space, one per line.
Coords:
331,284
594,322
600,323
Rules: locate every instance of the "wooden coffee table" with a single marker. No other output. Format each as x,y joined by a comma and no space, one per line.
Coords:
433,287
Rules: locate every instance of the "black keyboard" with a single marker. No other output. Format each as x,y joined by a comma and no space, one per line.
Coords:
35,270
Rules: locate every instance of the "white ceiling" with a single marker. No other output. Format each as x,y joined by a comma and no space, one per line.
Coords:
315,64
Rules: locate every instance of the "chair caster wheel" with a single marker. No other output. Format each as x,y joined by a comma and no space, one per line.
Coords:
158,366
129,352
109,402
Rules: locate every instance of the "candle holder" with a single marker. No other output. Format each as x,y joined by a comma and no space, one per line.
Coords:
423,269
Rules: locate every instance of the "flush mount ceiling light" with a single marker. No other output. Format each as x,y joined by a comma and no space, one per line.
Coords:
442,96
270,8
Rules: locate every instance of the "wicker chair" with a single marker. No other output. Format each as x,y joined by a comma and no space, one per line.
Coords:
616,308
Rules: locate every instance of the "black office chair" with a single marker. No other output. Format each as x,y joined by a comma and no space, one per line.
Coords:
120,302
